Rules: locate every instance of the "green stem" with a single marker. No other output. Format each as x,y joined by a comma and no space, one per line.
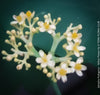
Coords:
35,52
56,89
56,41
61,59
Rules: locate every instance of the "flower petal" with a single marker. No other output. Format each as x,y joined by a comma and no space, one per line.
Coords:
52,27
77,40
79,73
69,70
81,48
51,31
21,22
43,65
41,53
69,34
64,78
79,35
72,63
49,56
33,13
57,69
51,63
72,70
13,22
84,68
79,60
63,65
58,76
14,17
77,54
42,29
38,60
40,23
69,47
69,38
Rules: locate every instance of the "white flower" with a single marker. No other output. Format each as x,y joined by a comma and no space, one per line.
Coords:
73,36
48,25
78,67
19,19
75,48
45,60
62,71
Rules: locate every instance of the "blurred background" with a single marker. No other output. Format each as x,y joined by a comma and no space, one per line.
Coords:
34,82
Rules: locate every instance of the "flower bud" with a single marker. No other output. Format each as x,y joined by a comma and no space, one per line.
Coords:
6,41
54,80
28,65
9,58
8,32
33,30
19,44
15,60
4,52
82,53
19,67
36,18
49,74
45,71
38,22
30,45
45,16
26,32
59,19
13,31
38,67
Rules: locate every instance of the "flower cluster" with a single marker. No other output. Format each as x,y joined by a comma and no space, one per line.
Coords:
54,67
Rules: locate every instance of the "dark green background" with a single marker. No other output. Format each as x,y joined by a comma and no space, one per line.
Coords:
85,12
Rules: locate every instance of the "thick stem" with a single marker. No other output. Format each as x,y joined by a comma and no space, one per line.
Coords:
56,89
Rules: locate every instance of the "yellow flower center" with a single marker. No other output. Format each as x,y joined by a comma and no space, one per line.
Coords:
28,13
62,72
78,66
46,25
75,47
74,35
19,18
44,58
